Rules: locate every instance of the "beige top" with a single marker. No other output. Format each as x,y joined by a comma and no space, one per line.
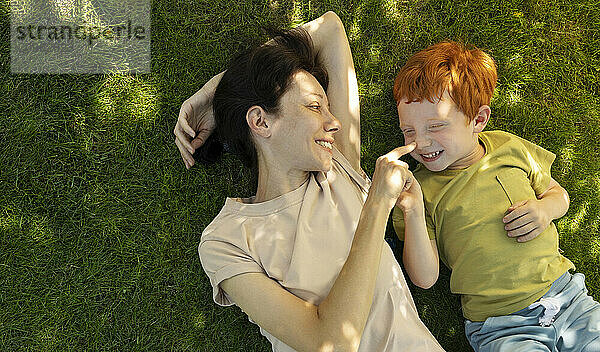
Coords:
302,240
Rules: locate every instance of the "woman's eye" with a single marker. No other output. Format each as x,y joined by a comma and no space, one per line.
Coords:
316,107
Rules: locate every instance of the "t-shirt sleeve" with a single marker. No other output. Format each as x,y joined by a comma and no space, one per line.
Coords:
398,223
359,177
222,260
539,161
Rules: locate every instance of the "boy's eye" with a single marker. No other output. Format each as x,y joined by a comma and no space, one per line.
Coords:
437,125
408,132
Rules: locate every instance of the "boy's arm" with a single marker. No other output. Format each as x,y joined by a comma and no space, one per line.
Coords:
527,219
420,254
555,200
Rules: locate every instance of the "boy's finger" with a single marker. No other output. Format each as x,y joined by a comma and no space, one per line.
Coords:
398,152
528,237
518,222
516,205
517,213
408,184
523,230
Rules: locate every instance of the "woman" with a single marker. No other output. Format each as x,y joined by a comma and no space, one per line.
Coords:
305,257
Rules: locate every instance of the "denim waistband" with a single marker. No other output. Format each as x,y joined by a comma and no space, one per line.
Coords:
559,284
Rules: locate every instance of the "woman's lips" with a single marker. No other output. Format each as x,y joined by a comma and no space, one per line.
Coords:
325,145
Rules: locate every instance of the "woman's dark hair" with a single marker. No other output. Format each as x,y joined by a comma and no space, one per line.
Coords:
257,77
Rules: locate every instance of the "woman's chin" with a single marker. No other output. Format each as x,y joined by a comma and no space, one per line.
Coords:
325,166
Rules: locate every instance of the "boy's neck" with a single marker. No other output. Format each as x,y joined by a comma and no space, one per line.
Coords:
470,159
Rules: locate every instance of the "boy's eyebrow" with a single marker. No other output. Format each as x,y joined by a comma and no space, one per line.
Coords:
427,119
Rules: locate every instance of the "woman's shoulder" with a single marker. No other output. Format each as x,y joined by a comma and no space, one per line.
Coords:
240,217
220,224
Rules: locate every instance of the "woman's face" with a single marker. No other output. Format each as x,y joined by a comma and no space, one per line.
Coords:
303,129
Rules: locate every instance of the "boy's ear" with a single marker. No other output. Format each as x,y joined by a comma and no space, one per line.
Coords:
482,118
256,119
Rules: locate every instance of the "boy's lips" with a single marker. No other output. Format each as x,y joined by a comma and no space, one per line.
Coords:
429,157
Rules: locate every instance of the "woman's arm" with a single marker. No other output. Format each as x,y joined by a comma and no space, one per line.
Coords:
330,42
337,323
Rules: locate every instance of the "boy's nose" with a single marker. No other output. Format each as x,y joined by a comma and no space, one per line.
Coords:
422,142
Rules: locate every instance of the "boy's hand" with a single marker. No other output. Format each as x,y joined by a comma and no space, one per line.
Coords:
526,220
411,198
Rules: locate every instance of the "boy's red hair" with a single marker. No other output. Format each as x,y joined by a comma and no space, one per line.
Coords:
469,75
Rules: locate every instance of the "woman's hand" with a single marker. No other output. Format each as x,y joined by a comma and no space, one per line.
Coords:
392,177
196,120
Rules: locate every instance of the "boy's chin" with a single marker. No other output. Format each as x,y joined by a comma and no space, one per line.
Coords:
434,168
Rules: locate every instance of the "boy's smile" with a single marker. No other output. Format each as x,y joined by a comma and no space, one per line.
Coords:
444,138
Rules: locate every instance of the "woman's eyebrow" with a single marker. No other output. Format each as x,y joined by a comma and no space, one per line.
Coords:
317,94
320,96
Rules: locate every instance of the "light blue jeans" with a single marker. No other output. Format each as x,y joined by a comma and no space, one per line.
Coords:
575,327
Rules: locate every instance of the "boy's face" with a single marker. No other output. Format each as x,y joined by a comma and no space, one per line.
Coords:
444,138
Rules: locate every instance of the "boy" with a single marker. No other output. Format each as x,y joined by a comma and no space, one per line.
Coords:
488,201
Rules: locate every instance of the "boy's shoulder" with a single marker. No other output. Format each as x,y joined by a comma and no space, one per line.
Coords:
498,138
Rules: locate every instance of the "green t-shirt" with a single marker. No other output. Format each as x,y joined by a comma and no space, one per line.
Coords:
494,274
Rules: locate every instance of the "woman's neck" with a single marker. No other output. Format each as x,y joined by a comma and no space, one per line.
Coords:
275,181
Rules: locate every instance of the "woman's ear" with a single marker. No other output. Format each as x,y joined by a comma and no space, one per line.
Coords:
482,118
256,117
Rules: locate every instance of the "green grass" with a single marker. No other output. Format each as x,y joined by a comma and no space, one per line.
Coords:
100,221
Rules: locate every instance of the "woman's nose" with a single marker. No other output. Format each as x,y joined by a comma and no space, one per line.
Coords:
332,124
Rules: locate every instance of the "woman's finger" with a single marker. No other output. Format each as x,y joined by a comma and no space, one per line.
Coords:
181,152
399,163
185,155
183,139
201,137
183,119
398,152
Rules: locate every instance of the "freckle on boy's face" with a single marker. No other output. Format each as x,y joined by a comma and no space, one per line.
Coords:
444,138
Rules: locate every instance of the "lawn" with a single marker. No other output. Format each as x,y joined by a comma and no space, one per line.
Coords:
100,221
